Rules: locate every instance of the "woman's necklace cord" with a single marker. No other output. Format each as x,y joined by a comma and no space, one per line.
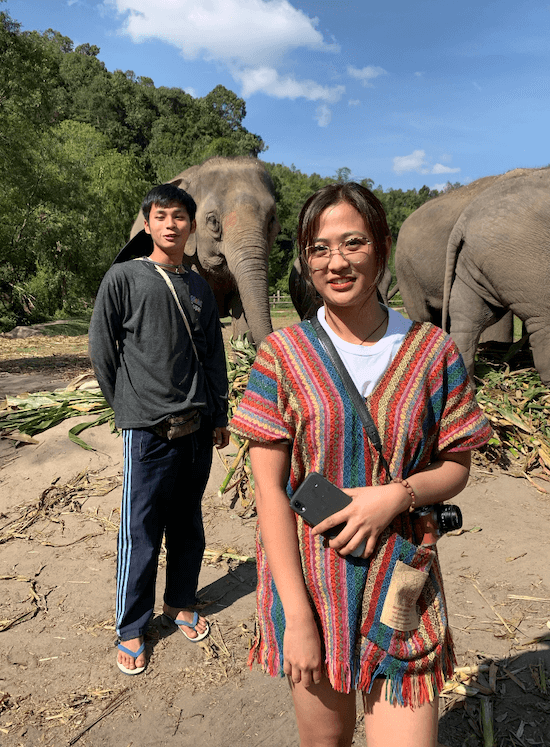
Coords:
178,269
370,334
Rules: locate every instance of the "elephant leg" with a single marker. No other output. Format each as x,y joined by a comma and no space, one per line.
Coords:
538,329
417,300
470,315
240,327
501,331
239,324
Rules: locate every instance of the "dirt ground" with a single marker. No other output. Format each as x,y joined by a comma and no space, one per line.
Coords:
58,681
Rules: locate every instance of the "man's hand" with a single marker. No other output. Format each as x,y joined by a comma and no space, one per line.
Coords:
220,437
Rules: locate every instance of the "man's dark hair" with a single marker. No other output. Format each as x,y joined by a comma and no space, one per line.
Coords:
166,195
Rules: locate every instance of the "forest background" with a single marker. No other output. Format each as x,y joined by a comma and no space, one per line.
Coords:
79,148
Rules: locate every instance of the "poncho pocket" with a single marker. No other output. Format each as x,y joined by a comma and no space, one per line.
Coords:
404,629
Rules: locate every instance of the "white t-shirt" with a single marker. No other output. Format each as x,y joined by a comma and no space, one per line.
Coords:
367,364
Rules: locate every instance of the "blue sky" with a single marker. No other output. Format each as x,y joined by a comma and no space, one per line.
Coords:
405,93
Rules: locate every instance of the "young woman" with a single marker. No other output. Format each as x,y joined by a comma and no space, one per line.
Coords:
318,616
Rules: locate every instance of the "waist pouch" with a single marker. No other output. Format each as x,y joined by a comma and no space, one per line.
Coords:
176,426
403,604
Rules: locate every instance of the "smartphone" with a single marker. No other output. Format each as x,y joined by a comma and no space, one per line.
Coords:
316,499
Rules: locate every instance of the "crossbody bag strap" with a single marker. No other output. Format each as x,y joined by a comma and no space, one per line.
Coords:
356,398
170,285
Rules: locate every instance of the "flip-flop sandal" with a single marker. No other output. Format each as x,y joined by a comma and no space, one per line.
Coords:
134,655
184,624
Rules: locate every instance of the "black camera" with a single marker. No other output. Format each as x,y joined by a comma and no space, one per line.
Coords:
433,521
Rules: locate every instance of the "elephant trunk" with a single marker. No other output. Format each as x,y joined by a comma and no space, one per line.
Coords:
249,267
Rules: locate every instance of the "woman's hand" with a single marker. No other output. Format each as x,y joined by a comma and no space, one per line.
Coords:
369,513
374,508
302,652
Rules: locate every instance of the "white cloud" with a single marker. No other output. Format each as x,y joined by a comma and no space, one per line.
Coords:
323,115
235,31
249,37
191,92
416,161
439,168
354,102
440,187
419,75
268,80
366,74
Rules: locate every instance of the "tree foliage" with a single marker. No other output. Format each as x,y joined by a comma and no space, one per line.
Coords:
399,204
80,146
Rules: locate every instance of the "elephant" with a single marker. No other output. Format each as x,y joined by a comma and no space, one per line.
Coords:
306,302
498,259
236,227
421,252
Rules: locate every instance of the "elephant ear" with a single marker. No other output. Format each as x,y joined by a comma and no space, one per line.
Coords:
188,180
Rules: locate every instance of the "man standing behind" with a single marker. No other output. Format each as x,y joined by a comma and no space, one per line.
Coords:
157,351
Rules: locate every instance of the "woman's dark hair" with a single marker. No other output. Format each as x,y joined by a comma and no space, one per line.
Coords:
166,195
367,205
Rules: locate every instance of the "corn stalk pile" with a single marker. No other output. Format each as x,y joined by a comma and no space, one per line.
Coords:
31,414
518,406
239,363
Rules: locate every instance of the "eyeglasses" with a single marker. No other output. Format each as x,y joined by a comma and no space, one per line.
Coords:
354,250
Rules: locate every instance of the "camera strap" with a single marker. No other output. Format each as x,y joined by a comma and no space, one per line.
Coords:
357,400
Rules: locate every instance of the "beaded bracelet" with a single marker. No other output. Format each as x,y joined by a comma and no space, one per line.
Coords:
406,484
408,487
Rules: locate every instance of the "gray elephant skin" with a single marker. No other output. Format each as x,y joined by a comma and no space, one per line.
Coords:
498,259
421,250
236,227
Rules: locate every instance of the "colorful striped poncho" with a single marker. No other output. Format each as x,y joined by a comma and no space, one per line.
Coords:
421,406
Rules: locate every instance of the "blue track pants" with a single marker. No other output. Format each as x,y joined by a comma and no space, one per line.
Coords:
163,485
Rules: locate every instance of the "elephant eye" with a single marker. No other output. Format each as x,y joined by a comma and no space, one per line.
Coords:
213,224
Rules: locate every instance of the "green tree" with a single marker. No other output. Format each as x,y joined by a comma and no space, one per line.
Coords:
292,188
399,204
342,175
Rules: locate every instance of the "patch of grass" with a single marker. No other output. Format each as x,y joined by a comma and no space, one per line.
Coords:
518,329
65,328
283,317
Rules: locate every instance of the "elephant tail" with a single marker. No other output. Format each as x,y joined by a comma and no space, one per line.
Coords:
453,247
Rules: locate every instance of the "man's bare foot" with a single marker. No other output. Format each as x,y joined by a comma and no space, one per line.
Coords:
128,661
176,613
